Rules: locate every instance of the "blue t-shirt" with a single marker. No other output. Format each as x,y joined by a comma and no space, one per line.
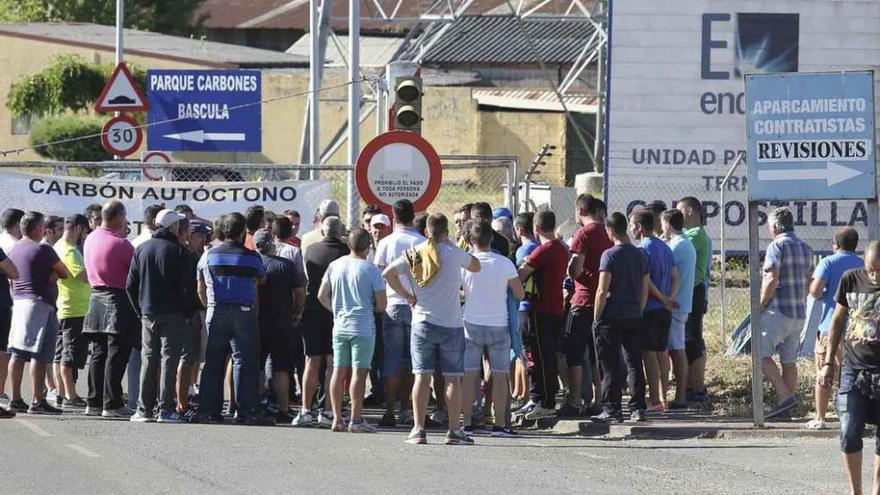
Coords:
685,257
627,265
660,263
229,271
354,284
830,270
526,249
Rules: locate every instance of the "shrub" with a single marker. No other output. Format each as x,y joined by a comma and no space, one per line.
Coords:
61,127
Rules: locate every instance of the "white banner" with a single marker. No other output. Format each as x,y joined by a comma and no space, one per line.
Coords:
676,98
63,196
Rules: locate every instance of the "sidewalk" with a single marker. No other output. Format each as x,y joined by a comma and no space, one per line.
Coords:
684,425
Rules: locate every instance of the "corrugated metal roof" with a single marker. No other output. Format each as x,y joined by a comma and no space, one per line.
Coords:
294,14
149,43
376,51
534,99
499,40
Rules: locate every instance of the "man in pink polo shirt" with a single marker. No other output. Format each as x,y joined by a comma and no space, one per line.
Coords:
110,323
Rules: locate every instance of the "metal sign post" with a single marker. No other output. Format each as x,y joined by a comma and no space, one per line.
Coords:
809,137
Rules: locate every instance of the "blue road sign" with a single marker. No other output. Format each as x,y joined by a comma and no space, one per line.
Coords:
206,110
811,136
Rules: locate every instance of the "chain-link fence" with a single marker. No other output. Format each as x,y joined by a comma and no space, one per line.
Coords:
466,178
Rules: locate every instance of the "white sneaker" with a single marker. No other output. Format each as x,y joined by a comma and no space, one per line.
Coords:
325,420
304,418
52,396
139,417
816,424
93,411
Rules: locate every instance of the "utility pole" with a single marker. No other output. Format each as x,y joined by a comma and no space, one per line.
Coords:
314,87
354,105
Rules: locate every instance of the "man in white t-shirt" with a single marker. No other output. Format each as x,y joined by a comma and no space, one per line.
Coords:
486,328
437,332
397,318
149,225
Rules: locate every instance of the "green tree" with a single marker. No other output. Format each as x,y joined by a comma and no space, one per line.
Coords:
73,127
161,16
57,97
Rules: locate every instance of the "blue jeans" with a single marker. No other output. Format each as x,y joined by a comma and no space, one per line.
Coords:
853,408
396,328
234,326
432,345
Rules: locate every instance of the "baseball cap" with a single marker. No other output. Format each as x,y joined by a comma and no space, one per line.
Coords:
262,238
380,219
201,229
166,218
501,211
328,208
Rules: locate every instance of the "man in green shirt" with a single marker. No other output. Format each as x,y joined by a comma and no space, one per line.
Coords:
73,303
695,347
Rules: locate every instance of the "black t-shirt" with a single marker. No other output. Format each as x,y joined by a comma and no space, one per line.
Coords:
318,258
627,265
861,297
276,293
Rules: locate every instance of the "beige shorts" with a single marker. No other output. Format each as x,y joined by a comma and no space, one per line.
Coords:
823,343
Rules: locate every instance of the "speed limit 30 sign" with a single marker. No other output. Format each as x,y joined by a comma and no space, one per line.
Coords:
122,136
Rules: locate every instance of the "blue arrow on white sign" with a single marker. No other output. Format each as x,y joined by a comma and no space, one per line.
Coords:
832,174
204,110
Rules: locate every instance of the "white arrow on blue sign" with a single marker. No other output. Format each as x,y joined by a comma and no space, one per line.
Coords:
204,110
811,136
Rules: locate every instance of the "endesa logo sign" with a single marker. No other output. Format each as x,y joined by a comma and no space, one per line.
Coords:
762,44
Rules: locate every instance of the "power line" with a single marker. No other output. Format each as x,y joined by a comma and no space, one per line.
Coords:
16,151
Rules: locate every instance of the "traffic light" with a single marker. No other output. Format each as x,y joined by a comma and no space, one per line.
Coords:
408,104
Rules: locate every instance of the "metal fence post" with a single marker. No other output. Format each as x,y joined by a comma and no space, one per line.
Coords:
724,183
755,291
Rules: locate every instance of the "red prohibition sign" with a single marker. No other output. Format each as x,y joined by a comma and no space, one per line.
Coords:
435,171
122,135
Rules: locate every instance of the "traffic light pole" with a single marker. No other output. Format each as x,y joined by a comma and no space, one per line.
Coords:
354,106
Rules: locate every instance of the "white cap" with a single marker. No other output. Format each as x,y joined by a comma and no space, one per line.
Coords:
328,208
380,219
166,218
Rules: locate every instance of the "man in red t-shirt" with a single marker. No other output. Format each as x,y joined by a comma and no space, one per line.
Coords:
587,246
547,264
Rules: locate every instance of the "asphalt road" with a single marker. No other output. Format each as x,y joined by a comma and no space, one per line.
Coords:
79,455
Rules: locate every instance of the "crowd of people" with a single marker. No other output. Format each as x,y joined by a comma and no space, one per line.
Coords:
486,318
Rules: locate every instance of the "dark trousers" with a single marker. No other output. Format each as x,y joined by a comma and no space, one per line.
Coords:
612,335
542,344
234,326
110,353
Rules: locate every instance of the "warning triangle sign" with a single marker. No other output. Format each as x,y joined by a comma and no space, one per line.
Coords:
121,93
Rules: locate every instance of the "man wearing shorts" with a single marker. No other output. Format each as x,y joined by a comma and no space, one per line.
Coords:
160,289
657,316
787,267
486,329
397,317
317,322
695,347
685,258
73,303
353,289
587,246
282,297
826,278
434,267
34,328
10,235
